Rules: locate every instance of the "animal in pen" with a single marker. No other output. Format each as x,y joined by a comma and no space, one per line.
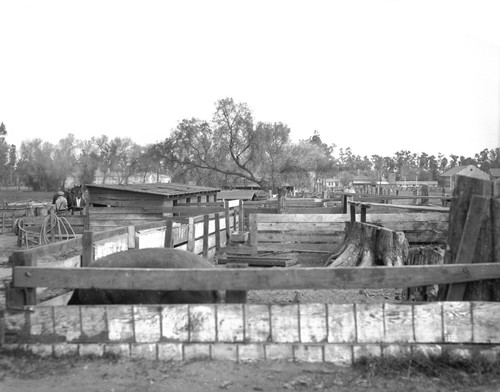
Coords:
167,258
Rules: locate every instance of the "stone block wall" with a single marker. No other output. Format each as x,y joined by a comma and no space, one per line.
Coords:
334,333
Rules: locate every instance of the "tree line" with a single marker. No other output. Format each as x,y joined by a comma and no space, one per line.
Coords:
220,152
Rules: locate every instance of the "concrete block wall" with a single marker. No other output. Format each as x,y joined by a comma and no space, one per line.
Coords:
334,333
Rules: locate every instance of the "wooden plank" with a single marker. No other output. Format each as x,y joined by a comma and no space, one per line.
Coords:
253,279
258,261
302,218
104,235
54,248
319,228
327,238
408,207
475,217
296,247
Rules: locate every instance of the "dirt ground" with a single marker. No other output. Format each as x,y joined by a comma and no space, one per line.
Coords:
22,372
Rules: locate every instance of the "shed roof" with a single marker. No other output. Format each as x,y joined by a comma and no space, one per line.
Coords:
453,171
168,189
469,171
237,194
495,172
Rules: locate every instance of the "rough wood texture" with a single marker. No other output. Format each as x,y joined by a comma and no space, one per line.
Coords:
466,187
366,245
423,255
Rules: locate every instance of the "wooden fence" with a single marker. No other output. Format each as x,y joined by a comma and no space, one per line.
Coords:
323,233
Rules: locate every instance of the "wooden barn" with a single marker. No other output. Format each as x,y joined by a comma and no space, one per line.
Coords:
149,195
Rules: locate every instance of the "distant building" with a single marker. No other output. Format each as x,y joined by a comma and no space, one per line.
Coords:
495,174
448,178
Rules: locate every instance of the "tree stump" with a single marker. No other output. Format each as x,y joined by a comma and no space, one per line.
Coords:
423,255
366,244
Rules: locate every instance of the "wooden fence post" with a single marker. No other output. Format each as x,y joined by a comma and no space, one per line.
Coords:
353,212
363,212
253,234
205,235
478,212
217,231
344,204
228,228
483,252
168,233
131,237
241,217
86,222
17,297
236,296
191,235
88,248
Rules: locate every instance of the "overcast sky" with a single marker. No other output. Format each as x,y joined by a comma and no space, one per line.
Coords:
376,76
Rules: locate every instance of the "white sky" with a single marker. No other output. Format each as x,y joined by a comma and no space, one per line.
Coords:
376,76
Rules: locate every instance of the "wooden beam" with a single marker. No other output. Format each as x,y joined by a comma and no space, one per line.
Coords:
253,279
407,207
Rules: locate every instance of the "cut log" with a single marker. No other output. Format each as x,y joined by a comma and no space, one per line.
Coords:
423,255
367,245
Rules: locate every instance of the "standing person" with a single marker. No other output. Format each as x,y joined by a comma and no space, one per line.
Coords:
61,202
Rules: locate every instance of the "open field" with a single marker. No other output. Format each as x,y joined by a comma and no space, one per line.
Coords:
9,196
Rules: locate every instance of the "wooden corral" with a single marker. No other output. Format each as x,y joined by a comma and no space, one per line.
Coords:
322,234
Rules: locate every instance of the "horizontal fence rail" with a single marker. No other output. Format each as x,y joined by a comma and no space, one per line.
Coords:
252,279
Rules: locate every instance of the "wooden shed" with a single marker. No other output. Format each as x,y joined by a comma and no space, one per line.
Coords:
135,204
149,195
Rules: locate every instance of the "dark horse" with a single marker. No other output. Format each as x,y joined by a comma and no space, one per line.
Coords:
75,197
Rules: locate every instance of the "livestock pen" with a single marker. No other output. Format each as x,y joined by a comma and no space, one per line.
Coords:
317,332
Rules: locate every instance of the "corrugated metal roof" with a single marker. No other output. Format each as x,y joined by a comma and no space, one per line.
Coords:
164,189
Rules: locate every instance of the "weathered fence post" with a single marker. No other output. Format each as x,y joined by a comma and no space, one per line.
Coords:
217,231
468,215
241,222
168,233
253,234
344,204
131,238
353,212
17,297
205,235
281,200
228,227
191,235
363,212
88,248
